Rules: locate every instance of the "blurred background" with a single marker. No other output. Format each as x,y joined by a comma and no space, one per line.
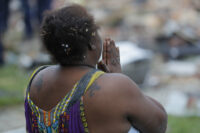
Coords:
159,44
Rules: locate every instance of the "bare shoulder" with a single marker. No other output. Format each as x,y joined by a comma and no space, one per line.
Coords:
112,86
118,83
40,77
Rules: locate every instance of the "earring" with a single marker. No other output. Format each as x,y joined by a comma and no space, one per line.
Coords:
93,46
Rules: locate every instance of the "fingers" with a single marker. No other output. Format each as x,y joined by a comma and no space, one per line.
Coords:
104,51
110,51
102,66
118,52
114,49
111,57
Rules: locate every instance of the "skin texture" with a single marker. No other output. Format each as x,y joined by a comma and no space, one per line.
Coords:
113,103
38,84
94,87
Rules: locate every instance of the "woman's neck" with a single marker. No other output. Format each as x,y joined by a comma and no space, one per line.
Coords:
80,65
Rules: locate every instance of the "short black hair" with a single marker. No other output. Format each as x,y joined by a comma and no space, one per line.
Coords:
66,33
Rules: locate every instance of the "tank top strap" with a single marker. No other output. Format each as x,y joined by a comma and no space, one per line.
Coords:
84,84
35,72
95,76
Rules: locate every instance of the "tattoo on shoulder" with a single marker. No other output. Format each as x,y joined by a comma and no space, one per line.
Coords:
94,87
39,82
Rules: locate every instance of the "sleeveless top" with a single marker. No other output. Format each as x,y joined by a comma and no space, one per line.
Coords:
67,116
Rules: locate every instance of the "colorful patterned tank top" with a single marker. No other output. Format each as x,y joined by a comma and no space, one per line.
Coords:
67,116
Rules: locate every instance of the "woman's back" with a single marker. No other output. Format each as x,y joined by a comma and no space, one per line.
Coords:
52,84
67,115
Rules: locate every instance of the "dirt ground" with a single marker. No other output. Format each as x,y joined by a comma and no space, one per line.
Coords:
11,118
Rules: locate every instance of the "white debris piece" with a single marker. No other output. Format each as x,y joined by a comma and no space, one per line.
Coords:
130,52
181,68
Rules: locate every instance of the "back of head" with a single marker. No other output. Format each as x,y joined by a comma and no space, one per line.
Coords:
67,32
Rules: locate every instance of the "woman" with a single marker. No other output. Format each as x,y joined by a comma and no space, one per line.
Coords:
74,96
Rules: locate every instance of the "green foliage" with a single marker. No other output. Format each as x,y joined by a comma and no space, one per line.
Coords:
13,82
183,124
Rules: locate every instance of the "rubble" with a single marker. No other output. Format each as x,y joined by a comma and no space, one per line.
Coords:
181,68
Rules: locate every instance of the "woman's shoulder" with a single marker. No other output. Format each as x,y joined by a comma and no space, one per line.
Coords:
113,84
116,81
111,91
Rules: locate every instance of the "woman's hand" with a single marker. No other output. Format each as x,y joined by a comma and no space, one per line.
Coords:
111,57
